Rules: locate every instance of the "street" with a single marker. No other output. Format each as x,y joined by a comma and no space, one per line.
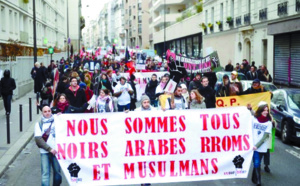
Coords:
285,161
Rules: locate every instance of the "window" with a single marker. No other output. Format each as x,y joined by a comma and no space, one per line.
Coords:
206,16
140,6
189,46
221,11
178,46
16,22
183,52
196,46
212,15
10,16
232,8
3,18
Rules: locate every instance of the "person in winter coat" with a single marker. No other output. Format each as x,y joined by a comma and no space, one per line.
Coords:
252,74
266,76
38,76
61,104
104,102
196,100
133,97
46,94
76,95
160,88
227,88
255,88
150,90
262,130
208,93
62,85
196,83
88,94
229,67
145,105
105,83
7,85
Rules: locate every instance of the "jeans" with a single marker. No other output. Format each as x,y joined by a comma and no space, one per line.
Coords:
154,103
267,157
122,107
7,102
257,157
48,160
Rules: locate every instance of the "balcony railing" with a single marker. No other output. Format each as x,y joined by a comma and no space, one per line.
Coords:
247,19
282,9
263,14
238,20
297,5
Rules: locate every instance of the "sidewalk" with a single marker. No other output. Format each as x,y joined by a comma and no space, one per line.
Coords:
18,140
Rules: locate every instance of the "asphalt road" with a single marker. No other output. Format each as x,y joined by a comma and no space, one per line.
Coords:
285,168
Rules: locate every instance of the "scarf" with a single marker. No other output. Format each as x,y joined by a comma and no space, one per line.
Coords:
107,100
62,106
74,92
162,85
263,119
48,120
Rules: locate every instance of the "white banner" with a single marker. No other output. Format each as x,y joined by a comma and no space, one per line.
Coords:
142,79
154,147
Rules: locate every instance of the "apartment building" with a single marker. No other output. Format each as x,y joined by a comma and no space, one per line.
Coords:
175,25
16,18
137,23
264,31
76,23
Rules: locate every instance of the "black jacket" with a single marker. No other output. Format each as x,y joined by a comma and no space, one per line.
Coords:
61,87
229,68
107,84
250,76
251,90
150,89
209,94
77,101
7,84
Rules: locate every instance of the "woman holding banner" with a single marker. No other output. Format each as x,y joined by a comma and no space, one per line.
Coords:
262,130
104,102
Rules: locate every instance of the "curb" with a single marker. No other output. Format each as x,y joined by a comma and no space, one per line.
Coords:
11,154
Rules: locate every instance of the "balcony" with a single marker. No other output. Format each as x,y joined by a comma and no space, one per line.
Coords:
238,21
170,18
23,37
247,19
282,9
263,14
159,4
297,5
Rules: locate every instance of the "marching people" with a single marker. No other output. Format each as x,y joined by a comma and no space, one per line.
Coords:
160,88
208,93
252,74
76,95
123,91
196,83
150,90
226,88
61,104
185,94
262,130
145,104
104,102
44,135
38,77
229,66
133,96
7,85
255,88
196,100
179,101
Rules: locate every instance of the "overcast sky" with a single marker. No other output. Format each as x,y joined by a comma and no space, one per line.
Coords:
91,8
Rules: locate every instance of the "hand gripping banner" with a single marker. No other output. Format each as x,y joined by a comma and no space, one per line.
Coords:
154,147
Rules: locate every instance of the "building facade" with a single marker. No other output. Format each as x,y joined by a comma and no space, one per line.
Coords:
261,31
175,25
137,23
16,18
76,23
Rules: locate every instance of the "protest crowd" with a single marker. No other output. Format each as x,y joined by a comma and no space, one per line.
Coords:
85,84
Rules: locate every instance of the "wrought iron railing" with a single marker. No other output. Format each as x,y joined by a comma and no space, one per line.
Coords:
282,9
238,20
263,14
247,19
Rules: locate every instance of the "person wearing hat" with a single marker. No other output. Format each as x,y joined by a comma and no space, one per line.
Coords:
145,104
234,77
255,88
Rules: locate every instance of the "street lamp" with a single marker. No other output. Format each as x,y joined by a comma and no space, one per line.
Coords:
164,28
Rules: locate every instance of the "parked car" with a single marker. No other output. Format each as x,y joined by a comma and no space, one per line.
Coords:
285,109
268,86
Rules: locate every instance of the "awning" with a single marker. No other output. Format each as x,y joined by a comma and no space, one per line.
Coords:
284,27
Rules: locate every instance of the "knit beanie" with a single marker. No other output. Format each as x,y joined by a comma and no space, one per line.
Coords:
144,97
